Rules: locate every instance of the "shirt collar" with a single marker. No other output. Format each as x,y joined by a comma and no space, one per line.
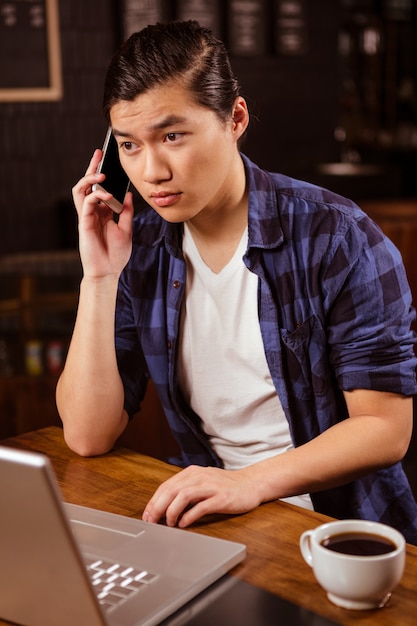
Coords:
264,224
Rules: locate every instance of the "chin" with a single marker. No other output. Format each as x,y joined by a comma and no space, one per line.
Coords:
174,215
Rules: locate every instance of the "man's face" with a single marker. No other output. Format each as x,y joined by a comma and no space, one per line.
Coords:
179,155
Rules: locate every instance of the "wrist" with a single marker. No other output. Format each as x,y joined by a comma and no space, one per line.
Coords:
98,294
100,283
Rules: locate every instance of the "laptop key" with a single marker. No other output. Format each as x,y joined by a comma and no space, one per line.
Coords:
114,582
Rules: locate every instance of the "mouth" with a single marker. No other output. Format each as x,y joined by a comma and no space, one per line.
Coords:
165,198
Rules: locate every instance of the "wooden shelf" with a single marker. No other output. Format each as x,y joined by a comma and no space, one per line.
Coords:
27,275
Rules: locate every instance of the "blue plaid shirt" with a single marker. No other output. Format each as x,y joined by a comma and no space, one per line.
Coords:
334,311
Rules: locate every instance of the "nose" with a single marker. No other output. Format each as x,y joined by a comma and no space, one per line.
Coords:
156,168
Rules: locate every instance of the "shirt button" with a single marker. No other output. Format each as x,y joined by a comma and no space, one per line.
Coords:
169,344
176,284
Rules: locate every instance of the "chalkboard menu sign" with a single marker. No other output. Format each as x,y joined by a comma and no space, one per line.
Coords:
30,56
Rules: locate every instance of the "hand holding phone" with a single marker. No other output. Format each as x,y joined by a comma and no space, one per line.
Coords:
116,181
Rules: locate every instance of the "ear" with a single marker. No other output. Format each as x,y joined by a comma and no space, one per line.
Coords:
240,117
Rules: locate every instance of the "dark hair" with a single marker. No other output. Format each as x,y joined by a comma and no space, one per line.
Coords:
165,52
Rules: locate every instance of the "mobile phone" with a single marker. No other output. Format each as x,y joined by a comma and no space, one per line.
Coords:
116,181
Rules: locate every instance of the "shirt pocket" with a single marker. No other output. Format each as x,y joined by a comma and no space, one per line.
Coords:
306,359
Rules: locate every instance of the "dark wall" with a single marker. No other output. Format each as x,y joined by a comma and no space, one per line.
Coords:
46,146
294,100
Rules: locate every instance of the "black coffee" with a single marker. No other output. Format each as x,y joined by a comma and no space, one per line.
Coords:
359,544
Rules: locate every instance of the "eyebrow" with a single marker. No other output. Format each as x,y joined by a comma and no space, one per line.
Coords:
166,122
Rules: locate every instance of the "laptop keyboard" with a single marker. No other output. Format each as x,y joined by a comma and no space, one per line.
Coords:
114,582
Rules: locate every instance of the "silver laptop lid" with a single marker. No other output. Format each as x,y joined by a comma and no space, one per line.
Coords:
42,575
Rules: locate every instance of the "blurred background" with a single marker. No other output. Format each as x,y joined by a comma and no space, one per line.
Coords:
332,90
326,81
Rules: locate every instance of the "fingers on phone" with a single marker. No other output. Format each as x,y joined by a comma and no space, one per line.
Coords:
94,162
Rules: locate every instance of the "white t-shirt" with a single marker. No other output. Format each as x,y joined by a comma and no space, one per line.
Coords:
223,373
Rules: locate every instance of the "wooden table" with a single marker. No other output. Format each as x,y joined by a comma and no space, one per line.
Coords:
123,481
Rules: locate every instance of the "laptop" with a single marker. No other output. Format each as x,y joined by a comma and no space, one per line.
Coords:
71,565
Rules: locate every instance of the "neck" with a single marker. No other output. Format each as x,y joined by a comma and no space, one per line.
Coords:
227,216
217,231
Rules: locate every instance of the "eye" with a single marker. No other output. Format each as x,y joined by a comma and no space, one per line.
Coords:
172,137
127,146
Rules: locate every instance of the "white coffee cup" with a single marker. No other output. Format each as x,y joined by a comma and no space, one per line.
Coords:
354,581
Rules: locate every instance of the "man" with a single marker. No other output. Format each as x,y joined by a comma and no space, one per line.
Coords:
273,316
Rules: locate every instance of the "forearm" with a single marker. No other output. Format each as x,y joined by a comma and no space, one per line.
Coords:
90,392
350,449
